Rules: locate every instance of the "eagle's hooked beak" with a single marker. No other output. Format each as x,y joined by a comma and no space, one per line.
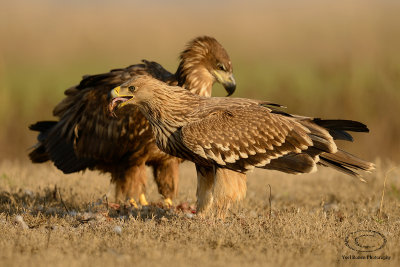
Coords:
120,96
227,80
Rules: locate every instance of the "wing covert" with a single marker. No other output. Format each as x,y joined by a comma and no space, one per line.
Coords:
242,138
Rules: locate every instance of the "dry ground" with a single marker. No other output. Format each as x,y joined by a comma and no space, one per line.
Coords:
310,218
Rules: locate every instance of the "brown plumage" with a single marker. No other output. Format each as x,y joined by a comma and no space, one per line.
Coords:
226,137
87,137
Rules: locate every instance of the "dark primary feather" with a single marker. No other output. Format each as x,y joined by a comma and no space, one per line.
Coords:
42,127
338,128
343,125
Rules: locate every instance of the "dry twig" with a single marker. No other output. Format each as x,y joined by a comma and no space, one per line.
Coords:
62,202
383,191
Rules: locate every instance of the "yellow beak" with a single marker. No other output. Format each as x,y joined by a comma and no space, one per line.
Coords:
120,97
115,92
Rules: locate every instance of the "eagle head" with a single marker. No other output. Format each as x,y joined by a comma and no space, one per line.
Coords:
135,91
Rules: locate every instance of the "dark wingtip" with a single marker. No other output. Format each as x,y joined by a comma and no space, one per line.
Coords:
41,126
344,125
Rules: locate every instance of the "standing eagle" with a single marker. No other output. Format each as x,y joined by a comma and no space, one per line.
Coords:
226,137
87,137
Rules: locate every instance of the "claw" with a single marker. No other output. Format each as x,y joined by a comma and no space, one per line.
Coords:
142,200
168,202
133,203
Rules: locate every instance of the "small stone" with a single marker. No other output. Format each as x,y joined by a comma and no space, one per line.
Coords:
29,193
117,229
189,215
73,213
330,207
20,221
51,211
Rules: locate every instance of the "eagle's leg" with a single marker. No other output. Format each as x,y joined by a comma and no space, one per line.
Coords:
229,187
205,182
166,175
131,184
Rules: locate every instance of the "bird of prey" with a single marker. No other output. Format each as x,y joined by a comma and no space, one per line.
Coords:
87,137
226,137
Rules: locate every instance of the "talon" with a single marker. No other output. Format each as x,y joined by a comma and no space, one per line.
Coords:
142,200
168,202
133,203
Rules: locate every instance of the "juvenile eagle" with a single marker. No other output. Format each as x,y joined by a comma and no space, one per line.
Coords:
87,137
226,137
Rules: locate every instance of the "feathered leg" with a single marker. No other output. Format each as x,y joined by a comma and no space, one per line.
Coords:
131,184
166,176
229,187
219,186
205,182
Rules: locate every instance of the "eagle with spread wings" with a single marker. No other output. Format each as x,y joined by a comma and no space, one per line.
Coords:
226,137
87,137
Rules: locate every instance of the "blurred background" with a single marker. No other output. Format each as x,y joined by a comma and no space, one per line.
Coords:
332,59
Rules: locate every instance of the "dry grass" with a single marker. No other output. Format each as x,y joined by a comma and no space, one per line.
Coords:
311,216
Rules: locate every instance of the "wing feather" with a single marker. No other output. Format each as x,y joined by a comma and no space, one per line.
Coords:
242,138
87,131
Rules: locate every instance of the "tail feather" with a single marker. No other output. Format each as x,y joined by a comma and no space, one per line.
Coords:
346,162
39,154
323,151
62,154
53,146
341,160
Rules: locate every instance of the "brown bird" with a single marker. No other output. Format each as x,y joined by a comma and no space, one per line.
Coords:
87,137
226,137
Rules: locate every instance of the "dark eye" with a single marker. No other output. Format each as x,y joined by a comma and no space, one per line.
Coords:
221,66
132,88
